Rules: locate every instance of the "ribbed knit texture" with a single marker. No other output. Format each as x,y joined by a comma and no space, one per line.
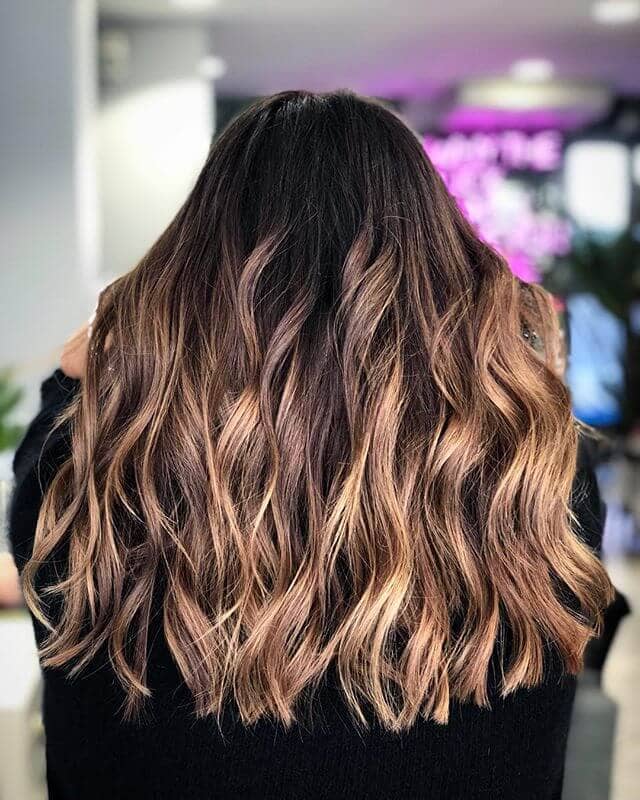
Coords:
515,751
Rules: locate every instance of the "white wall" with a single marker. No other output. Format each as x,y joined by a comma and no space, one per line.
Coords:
154,130
47,211
86,184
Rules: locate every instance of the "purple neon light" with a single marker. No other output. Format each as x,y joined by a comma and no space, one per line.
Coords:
512,149
473,119
476,169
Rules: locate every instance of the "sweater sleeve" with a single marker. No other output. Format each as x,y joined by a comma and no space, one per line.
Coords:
43,449
586,502
590,513
588,507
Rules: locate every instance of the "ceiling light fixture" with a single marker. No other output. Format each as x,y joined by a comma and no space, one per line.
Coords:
616,12
194,5
212,67
532,69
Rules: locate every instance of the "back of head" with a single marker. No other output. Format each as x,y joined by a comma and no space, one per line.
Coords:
312,422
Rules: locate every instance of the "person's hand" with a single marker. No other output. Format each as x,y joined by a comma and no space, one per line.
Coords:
73,361
10,593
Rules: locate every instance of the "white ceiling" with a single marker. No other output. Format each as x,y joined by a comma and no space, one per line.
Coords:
398,47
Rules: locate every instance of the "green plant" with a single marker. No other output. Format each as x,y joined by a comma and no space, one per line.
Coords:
10,396
609,269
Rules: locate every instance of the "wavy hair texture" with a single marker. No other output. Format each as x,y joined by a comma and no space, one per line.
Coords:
312,426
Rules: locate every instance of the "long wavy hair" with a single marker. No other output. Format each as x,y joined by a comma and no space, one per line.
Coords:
314,425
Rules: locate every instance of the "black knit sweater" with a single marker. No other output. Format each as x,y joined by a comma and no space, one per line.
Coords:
515,751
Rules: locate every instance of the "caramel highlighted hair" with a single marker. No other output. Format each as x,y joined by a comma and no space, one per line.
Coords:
312,426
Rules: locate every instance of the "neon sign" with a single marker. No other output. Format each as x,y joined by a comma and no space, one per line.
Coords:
507,211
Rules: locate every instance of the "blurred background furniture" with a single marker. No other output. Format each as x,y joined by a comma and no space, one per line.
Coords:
21,735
